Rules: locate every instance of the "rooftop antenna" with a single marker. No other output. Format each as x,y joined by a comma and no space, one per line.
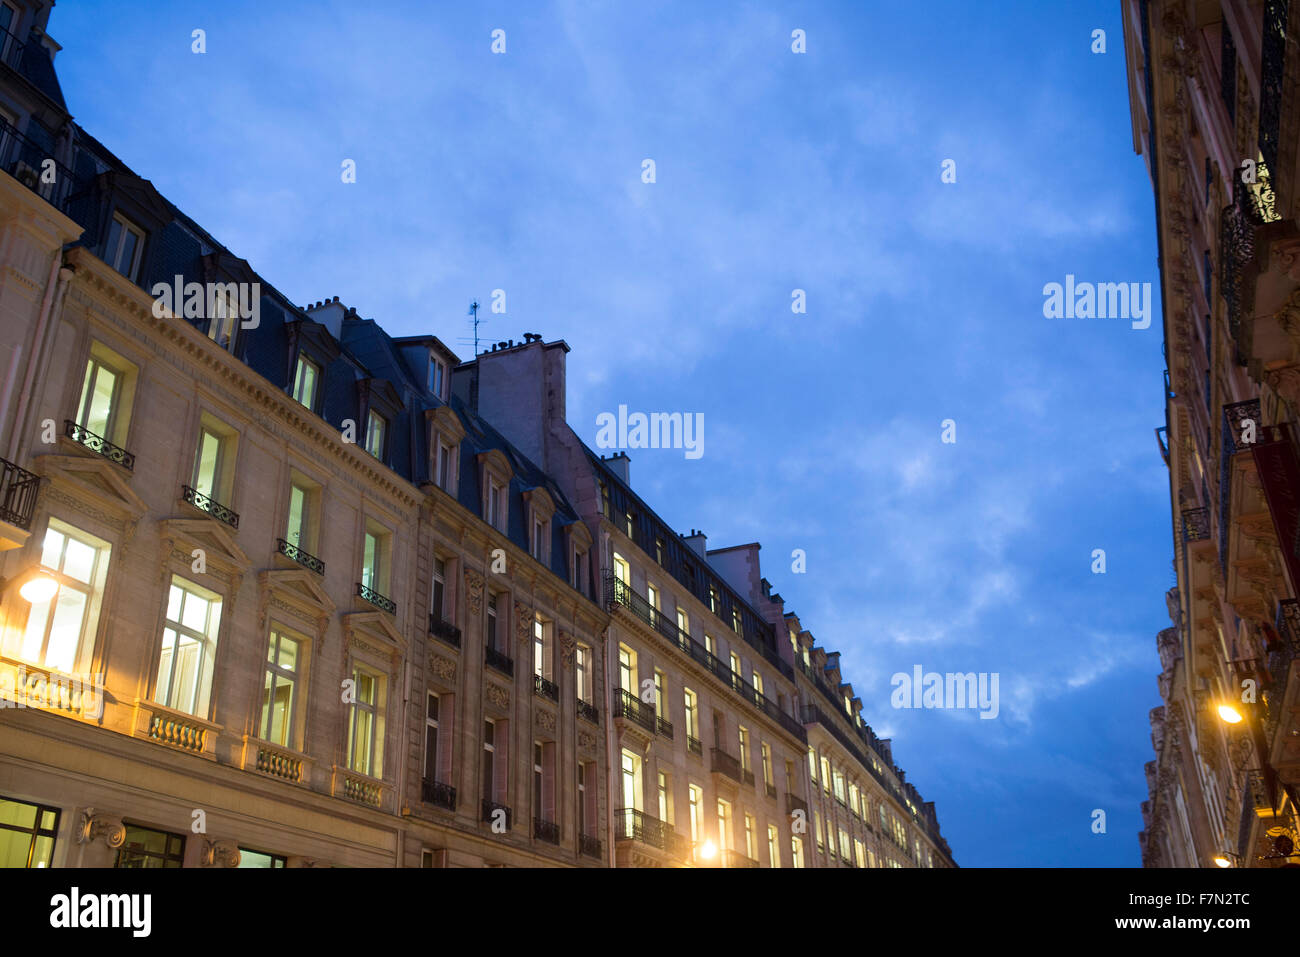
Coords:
473,313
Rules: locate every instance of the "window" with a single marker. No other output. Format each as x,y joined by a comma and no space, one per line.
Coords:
826,774
631,779
365,724
683,624
812,765
853,799
652,595
817,831
439,609
300,528
221,324
60,632
446,465
249,858
492,636
773,854
735,620
437,371
537,780
306,377
577,569
794,644
189,645
859,853
629,526
104,407
744,748
692,713
582,798
280,689
212,460
714,602
144,847
751,838
431,738
489,760
543,658
661,707
376,427
622,570
375,550
695,799
838,779
735,664
125,242
845,849
496,504
27,833
848,706
582,672
757,680
796,850
665,799
708,644
767,763
724,825
627,670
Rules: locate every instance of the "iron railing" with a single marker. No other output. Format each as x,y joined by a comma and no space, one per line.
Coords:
97,443
664,727
499,660
732,858
18,491
589,846
588,712
1235,416
293,552
546,688
694,745
489,810
444,630
1196,524
627,705
382,602
34,167
727,765
205,503
633,825
438,794
548,831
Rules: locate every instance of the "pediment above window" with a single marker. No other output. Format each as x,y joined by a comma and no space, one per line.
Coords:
495,462
92,485
296,592
374,632
219,549
446,423
540,501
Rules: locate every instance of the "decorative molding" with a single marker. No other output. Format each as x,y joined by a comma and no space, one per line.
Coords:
94,825
443,668
219,854
497,696
523,625
474,592
544,719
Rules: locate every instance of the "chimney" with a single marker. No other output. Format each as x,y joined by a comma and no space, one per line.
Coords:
697,540
618,463
521,391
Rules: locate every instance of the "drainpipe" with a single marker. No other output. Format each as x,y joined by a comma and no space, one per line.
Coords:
55,285
611,778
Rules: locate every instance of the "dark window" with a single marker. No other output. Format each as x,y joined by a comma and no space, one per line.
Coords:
147,848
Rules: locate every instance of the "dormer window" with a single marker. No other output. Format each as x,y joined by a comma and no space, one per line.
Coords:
541,508
221,325
125,241
305,379
445,436
496,503
376,433
437,375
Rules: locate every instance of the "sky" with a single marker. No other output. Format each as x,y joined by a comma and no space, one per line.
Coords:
775,171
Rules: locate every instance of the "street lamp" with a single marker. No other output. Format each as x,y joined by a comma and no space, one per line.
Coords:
37,585
1229,714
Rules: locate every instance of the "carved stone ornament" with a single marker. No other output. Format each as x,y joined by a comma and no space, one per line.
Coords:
95,825
567,648
474,592
545,719
523,624
444,668
497,695
586,741
220,854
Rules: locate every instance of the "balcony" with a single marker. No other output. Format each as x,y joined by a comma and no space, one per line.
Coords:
18,490
588,712
438,794
548,831
368,594
99,444
730,858
1279,657
626,705
499,661
633,825
490,816
294,553
694,745
664,727
728,766
26,161
771,790
210,506
1196,524
444,630
589,846
546,688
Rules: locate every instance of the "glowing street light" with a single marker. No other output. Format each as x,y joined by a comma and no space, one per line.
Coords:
708,850
39,588
1229,714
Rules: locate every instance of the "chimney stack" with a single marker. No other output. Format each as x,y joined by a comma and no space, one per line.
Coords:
619,464
698,542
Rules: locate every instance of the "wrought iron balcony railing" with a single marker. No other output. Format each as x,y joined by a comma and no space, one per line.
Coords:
732,858
18,490
548,831
210,505
725,764
1196,524
546,688
33,166
1279,657
1272,72
366,593
588,712
444,630
1236,419
664,727
627,705
589,846
694,745
771,790
490,816
438,794
633,825
97,443
499,660
294,553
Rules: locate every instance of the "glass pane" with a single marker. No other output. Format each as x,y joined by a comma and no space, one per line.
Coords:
65,634
44,852
188,655
34,636
79,561
114,240
52,548
101,401
267,681
280,704
205,468
127,259
361,741
174,603
297,509
194,614
255,859
288,654
14,848
162,692
17,814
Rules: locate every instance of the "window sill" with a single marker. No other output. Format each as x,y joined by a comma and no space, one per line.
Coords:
274,761
175,729
360,788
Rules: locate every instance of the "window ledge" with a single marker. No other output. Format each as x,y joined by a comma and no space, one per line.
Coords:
175,729
37,688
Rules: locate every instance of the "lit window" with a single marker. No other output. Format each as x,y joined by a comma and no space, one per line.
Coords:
683,624
101,399
665,799
305,378
376,426
767,763
622,570
189,645
582,666
773,854
796,850
221,324
696,795
365,726
148,848
446,465
280,689
751,838
60,631
27,834
692,718
431,738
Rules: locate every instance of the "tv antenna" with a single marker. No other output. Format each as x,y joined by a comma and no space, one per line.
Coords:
475,320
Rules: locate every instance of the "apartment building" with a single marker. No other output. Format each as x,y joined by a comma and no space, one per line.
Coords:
1215,115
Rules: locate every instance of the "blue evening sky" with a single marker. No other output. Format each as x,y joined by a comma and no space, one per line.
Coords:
775,171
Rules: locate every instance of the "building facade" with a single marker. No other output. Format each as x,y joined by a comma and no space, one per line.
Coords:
1215,106
280,589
